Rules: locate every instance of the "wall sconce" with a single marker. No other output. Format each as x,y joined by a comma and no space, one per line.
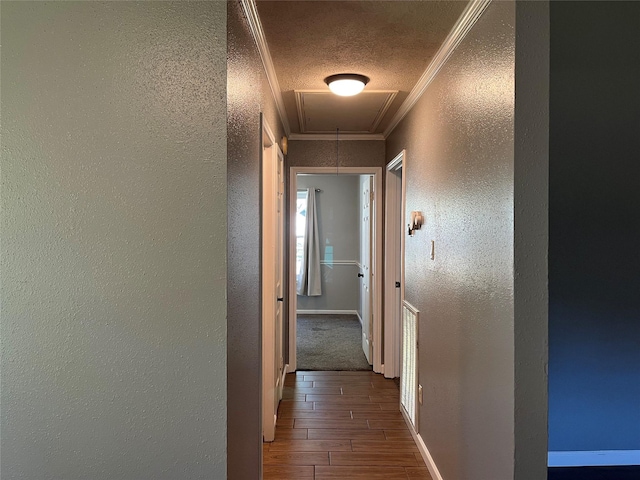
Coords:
416,220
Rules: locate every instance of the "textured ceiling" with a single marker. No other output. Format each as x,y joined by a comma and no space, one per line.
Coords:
391,42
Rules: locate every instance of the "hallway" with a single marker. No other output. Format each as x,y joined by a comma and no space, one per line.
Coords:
341,425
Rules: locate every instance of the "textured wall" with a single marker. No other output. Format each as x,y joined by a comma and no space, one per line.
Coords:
460,173
531,239
322,153
594,265
248,95
338,211
113,240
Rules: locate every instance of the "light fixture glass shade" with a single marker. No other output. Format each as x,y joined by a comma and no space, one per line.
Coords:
346,84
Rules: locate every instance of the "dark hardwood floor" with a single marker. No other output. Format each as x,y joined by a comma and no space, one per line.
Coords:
347,425
341,425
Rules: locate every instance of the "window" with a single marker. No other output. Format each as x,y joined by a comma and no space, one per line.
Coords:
301,227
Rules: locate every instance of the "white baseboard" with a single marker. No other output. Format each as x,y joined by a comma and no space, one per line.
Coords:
328,312
422,448
593,458
359,318
428,459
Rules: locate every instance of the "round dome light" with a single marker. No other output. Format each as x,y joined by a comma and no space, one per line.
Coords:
346,84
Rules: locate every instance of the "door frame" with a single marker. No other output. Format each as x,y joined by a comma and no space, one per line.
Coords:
272,383
377,265
395,201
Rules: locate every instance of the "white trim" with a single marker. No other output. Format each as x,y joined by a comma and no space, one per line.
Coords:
382,111
328,312
268,252
467,20
422,448
332,137
359,318
594,458
393,312
341,262
251,12
397,163
426,456
302,121
377,267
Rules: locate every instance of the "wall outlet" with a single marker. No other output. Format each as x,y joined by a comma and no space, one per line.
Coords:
420,394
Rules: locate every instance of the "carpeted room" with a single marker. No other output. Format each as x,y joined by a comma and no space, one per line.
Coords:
330,342
329,332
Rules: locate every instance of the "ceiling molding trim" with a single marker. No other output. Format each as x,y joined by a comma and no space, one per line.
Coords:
332,137
383,111
302,118
251,12
300,107
463,25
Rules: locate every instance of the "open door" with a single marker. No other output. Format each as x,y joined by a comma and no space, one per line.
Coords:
279,281
371,267
366,189
394,265
272,284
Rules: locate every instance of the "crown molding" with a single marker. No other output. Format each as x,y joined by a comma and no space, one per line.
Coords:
330,137
463,25
251,12
299,95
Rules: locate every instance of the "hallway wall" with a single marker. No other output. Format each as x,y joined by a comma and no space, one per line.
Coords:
594,276
113,240
248,95
462,169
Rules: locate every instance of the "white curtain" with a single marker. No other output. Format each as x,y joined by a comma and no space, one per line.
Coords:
308,282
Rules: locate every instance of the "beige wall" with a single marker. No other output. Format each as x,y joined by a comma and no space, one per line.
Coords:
460,173
248,95
113,240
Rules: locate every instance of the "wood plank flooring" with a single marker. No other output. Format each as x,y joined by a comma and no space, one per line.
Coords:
341,425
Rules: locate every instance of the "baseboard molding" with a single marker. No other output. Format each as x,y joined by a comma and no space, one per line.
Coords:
329,312
422,448
359,318
428,459
595,458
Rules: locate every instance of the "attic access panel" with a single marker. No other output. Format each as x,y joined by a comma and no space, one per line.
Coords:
323,112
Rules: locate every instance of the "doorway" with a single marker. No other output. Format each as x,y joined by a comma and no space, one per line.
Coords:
394,262
273,370
363,273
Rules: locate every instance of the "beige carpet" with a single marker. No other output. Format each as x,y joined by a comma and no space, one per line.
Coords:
330,342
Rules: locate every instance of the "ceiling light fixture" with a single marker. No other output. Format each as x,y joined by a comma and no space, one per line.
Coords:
346,84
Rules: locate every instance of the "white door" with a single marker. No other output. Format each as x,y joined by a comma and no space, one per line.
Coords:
279,280
366,189
395,232
272,288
